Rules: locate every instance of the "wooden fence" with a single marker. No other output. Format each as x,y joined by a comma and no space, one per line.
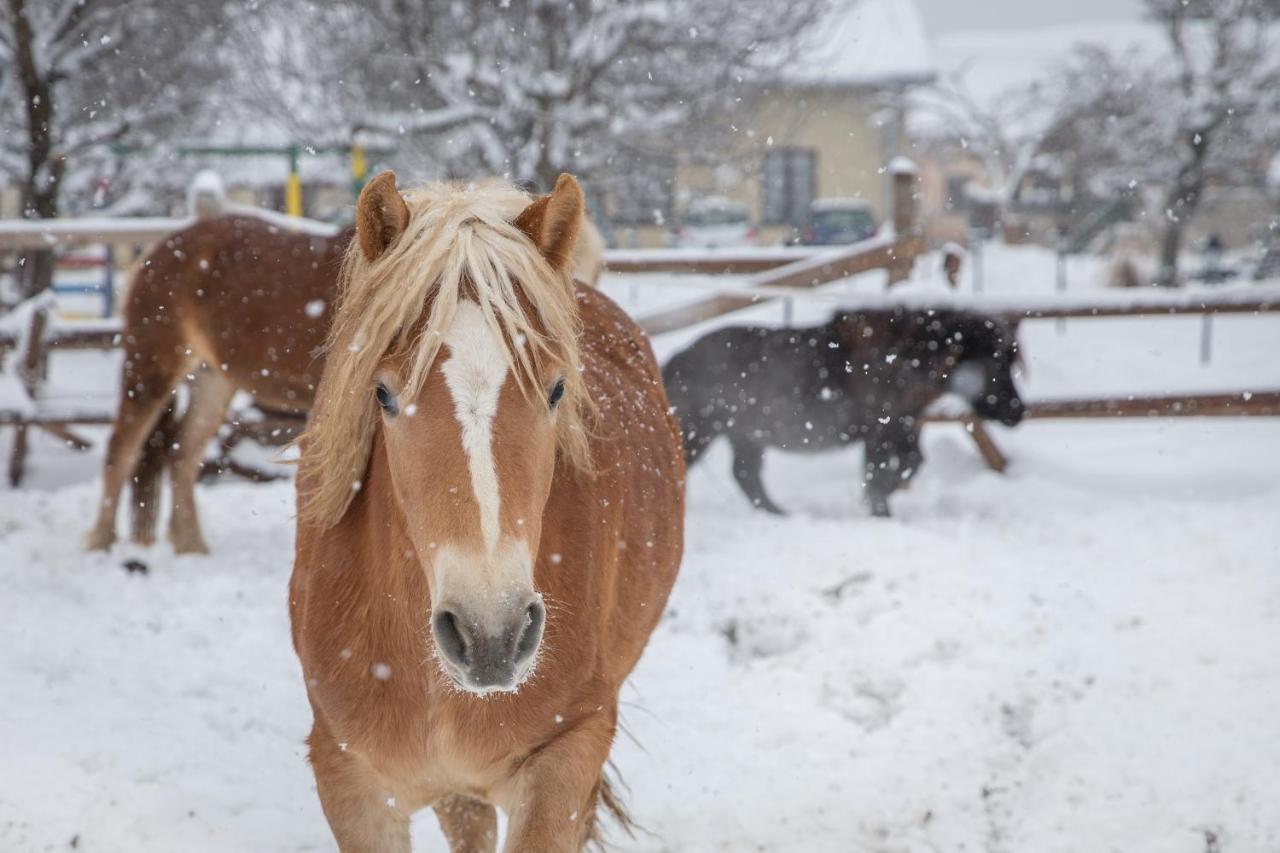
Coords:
772,274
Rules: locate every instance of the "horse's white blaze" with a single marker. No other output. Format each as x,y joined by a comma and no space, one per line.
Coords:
474,372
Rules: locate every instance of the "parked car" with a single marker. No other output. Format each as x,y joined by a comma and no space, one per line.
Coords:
837,221
712,223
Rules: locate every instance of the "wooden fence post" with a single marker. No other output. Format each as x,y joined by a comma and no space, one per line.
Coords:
905,223
31,373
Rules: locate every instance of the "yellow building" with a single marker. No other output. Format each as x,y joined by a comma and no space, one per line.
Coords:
827,129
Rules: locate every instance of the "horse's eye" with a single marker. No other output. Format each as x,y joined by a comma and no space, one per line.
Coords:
386,399
557,392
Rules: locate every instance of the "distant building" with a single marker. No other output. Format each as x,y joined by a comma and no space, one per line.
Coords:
826,129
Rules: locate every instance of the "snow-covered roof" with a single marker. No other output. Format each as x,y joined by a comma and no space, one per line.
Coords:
868,43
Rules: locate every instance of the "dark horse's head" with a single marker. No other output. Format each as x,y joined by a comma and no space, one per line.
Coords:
982,353
970,355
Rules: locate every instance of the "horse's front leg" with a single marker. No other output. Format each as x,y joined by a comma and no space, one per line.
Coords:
892,455
470,825
552,797
360,808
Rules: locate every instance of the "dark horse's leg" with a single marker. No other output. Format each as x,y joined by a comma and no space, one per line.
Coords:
748,460
910,457
892,458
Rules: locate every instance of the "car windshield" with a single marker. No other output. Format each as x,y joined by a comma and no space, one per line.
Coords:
716,216
843,220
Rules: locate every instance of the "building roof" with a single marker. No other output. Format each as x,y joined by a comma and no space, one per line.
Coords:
868,43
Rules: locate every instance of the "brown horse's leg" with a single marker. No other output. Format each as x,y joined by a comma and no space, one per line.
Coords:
146,388
470,825
211,393
360,809
556,789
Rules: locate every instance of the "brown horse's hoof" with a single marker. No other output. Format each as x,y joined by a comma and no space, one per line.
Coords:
99,540
195,546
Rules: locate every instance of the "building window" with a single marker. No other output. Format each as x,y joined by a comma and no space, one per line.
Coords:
790,180
957,193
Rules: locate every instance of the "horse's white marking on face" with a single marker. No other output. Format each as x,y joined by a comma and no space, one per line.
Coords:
474,372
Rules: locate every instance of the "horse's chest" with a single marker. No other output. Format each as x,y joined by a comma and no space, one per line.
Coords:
431,750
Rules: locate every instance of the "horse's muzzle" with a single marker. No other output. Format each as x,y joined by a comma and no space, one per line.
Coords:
481,660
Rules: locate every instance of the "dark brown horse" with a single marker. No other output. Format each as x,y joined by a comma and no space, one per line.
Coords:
864,376
232,303
490,520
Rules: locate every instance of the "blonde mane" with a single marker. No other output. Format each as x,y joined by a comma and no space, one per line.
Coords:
459,243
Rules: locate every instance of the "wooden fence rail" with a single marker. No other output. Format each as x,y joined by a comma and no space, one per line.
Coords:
774,274
1238,404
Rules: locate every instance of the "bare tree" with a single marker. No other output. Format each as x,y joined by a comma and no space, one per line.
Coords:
528,88
1202,111
79,75
1003,133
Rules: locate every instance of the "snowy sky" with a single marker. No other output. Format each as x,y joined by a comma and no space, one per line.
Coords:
946,16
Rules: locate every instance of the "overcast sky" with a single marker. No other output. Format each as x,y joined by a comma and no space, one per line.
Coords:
945,16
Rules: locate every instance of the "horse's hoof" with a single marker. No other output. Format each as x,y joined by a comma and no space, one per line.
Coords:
98,540
190,548
189,544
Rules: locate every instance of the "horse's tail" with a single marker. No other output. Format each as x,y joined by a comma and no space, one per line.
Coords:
608,800
145,506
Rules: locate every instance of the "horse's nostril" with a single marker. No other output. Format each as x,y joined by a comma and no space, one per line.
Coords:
451,640
527,644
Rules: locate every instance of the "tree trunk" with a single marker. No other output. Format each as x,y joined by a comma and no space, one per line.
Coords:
36,266
1180,205
1170,247
44,168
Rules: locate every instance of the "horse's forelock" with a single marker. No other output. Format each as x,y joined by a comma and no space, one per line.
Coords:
459,243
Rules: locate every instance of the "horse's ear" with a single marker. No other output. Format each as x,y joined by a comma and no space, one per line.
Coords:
553,221
381,215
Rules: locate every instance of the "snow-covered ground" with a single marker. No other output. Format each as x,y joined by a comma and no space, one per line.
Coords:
1077,655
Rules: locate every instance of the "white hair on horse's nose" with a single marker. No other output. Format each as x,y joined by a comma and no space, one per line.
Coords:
474,373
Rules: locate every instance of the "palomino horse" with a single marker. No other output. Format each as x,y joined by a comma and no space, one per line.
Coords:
231,303
491,499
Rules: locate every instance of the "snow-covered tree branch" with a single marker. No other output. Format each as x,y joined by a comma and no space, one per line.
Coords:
528,88
78,74
1200,111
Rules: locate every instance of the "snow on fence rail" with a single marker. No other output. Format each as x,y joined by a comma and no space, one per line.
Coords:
705,261
1219,299
18,234
50,233
897,255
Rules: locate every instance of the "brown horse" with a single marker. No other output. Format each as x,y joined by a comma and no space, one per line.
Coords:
232,303
491,508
